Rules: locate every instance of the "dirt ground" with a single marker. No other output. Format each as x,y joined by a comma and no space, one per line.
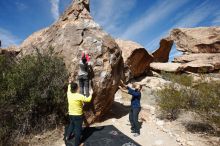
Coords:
154,131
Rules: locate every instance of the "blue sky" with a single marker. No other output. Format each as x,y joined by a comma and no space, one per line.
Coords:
143,21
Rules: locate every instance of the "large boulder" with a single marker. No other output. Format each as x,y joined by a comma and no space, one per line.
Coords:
185,58
75,30
200,47
197,40
201,62
163,52
167,67
137,59
154,83
11,51
197,67
205,62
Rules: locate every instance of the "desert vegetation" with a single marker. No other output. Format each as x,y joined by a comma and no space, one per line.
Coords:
201,96
32,94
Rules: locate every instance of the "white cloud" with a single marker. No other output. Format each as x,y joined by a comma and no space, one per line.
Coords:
199,14
21,6
152,16
8,39
155,43
109,13
55,8
191,19
216,20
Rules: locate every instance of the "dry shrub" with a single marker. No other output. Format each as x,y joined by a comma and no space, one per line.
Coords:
32,96
199,96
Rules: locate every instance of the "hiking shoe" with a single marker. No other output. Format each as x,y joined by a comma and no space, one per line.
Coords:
71,136
66,138
136,134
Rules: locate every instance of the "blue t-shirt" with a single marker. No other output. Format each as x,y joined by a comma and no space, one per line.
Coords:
136,97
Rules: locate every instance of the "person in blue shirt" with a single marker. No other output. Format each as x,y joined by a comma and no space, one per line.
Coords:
135,106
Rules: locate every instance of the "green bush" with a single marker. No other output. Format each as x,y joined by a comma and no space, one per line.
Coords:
182,79
199,96
6,63
32,96
208,104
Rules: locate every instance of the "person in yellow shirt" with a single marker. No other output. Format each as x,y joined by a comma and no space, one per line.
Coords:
75,109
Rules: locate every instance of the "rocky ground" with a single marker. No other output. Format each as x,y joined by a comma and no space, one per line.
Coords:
154,131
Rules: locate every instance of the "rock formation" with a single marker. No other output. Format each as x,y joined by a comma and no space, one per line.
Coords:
197,40
205,62
11,51
154,83
163,52
167,67
137,59
75,30
200,47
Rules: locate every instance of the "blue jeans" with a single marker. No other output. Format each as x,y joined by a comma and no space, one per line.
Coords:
76,127
84,84
133,118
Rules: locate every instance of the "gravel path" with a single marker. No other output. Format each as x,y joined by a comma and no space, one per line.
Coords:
154,132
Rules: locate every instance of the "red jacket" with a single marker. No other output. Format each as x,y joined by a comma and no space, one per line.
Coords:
87,57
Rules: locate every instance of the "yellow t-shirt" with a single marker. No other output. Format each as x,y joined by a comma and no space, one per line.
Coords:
75,102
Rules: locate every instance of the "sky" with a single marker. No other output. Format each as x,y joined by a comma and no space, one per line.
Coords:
142,21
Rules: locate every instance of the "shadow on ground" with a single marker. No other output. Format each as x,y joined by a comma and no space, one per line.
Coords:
103,136
86,133
199,127
117,111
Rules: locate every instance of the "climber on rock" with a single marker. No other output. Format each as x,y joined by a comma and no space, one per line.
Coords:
84,73
135,106
75,109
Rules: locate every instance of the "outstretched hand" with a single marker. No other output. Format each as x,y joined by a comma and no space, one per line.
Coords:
70,80
122,84
122,89
90,92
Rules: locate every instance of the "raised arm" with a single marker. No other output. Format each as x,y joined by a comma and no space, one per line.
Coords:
69,86
87,99
122,83
122,89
